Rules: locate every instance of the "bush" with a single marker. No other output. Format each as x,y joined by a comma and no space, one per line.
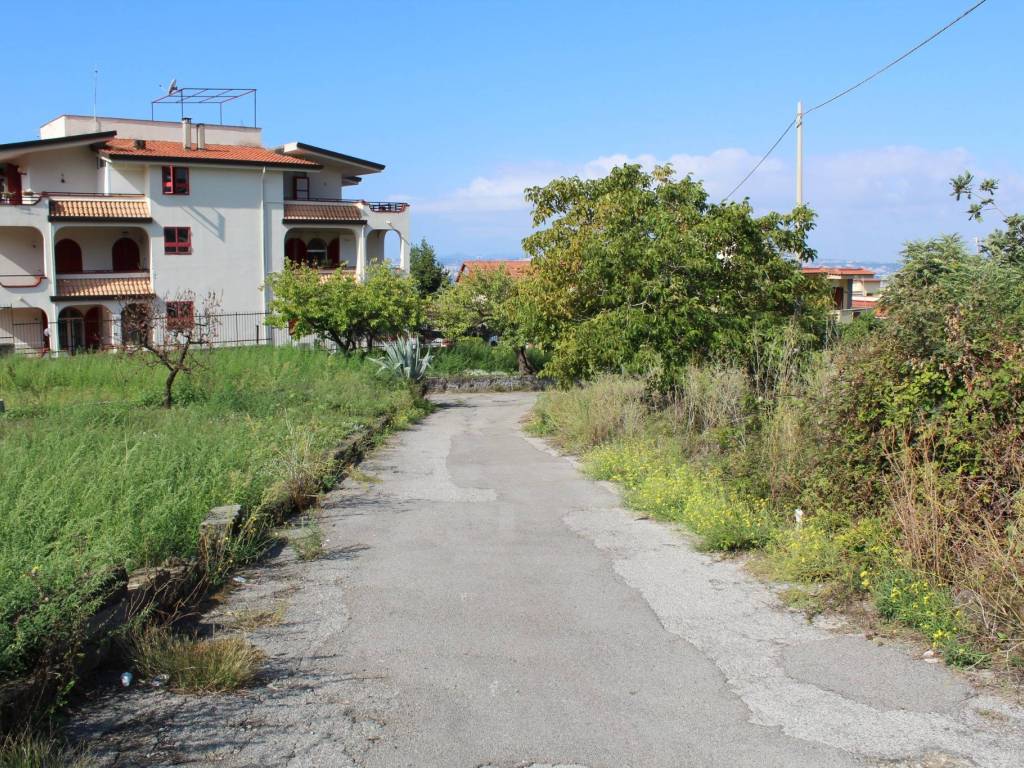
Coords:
40,750
577,419
474,355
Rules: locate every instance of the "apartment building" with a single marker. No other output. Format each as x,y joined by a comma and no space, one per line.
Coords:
98,214
855,290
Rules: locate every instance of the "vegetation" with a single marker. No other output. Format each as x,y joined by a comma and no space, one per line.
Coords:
885,461
475,355
639,271
425,270
308,543
194,665
40,750
99,480
405,359
336,308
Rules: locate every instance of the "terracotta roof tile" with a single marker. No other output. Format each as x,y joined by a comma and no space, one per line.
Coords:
863,303
213,153
117,210
96,287
515,267
325,274
844,271
327,212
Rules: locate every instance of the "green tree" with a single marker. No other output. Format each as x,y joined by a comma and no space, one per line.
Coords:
485,303
424,268
639,271
341,310
1003,244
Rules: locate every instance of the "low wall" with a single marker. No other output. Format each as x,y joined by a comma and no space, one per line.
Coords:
499,382
172,588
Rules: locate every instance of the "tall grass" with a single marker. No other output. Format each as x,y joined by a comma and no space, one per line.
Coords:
476,355
96,479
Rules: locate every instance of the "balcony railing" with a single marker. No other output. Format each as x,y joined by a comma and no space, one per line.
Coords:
376,207
20,198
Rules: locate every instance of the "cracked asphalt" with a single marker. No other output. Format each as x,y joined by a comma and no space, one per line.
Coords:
481,604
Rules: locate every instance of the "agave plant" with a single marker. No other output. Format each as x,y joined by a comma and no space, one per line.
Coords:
405,358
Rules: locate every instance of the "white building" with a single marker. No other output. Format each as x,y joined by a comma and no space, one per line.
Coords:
99,211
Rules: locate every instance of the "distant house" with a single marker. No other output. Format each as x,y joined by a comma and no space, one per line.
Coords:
855,290
516,268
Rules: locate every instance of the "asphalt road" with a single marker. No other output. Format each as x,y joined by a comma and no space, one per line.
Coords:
483,605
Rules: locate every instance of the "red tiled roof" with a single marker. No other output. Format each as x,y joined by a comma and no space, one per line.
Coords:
104,287
325,274
115,210
843,271
213,153
326,212
863,303
515,267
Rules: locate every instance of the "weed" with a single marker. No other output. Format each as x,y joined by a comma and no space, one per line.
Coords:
578,419
308,542
194,665
40,750
248,619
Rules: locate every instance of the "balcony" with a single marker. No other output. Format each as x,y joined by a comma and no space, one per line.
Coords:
21,259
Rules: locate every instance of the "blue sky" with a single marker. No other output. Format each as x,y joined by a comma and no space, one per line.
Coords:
468,102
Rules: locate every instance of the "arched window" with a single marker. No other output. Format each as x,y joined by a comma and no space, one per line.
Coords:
316,253
69,256
334,254
295,250
136,324
124,256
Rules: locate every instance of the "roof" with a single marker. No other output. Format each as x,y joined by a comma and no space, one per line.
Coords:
841,271
322,212
516,268
103,287
56,143
862,303
99,209
233,154
329,154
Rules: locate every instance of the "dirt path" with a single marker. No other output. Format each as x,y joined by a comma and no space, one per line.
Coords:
484,605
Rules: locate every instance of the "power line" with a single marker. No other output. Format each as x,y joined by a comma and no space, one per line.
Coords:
855,86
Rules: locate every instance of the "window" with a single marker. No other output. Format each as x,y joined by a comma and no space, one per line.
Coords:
301,187
177,240
175,180
125,256
69,256
180,315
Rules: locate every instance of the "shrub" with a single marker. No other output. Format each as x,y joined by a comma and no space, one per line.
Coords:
611,407
40,750
195,665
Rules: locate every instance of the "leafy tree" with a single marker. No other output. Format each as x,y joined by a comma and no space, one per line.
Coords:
340,309
485,303
1004,244
638,270
424,268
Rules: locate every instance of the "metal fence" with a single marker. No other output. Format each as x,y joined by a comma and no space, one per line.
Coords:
85,333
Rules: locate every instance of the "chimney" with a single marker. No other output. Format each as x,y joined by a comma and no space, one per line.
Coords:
139,144
186,132
200,135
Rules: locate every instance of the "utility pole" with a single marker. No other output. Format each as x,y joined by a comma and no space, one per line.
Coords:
799,153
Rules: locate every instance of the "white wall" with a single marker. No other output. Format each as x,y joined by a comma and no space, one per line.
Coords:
223,210
21,251
126,178
156,130
75,165
22,327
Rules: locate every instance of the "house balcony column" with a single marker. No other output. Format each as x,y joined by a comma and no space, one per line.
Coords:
361,254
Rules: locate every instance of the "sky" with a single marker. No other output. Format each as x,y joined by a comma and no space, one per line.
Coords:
468,103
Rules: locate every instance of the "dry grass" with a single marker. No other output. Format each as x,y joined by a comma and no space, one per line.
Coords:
611,407
308,543
35,750
194,665
248,619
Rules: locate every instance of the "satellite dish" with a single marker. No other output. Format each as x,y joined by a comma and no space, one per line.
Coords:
172,87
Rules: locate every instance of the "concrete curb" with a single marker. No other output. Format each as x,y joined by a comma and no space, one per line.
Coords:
491,383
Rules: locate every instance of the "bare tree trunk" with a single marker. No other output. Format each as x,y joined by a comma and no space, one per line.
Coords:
525,366
169,388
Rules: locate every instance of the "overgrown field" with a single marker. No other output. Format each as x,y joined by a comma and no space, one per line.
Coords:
474,355
97,479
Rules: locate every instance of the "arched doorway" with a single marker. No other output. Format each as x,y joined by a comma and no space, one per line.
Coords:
295,250
124,256
334,254
70,329
68,256
316,253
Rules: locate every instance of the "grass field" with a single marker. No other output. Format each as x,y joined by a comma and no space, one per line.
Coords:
96,477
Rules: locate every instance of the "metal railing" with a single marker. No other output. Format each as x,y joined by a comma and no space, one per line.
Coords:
376,207
84,334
